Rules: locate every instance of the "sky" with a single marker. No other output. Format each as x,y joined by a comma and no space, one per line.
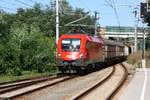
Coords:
107,16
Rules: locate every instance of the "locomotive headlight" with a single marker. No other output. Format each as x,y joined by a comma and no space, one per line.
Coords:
59,55
81,55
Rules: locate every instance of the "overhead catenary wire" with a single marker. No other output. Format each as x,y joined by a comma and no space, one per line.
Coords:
71,12
130,1
6,8
6,2
109,4
67,12
116,13
25,4
95,26
112,4
35,1
118,5
77,20
19,1
32,1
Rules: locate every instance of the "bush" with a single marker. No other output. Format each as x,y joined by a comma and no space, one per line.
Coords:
134,58
26,51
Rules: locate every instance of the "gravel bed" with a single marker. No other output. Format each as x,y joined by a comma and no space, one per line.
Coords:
108,87
29,88
131,72
65,90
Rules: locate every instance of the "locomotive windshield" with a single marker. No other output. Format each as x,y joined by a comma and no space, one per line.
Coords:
71,45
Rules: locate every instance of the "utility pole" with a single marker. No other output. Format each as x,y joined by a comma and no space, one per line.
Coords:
143,49
135,29
143,63
144,31
95,34
57,20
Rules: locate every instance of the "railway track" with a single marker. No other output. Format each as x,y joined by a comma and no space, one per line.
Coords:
26,79
82,95
122,81
12,90
24,83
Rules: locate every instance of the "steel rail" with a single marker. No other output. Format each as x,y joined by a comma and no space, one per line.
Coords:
113,93
28,80
86,92
35,89
20,80
120,84
19,85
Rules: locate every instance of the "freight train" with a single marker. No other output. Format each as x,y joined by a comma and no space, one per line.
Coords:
77,53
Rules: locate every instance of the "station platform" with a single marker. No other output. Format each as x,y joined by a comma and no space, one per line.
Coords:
134,89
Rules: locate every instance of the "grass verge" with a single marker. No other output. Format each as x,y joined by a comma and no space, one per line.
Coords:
147,56
25,75
135,59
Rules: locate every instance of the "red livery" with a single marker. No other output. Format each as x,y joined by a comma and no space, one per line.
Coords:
78,52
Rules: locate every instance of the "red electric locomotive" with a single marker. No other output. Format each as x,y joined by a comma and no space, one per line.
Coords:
77,52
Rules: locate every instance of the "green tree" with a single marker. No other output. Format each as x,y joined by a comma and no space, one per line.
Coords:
27,37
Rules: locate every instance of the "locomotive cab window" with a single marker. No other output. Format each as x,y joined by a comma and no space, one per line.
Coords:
71,45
